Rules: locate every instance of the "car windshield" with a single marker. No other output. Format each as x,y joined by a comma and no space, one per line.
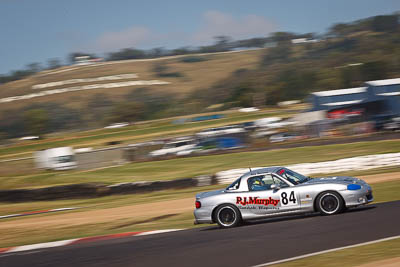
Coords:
293,177
65,159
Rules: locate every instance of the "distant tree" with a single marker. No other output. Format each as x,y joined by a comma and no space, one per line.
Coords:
222,41
338,30
63,118
160,68
181,51
387,23
208,49
20,74
280,53
295,83
127,112
351,76
98,108
99,101
157,52
34,67
193,59
3,137
12,122
242,94
36,121
127,53
53,63
374,70
253,42
282,37
4,79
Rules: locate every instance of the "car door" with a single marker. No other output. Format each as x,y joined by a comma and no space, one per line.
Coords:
288,196
267,195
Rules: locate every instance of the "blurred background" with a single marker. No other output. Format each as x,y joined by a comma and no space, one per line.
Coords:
153,100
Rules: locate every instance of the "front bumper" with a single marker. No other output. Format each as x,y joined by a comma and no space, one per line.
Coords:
358,197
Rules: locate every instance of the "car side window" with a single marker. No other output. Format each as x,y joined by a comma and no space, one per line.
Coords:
260,182
235,185
279,182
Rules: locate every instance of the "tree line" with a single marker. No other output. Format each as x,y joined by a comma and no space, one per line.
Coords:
347,56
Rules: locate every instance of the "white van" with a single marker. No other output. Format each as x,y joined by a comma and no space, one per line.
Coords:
60,158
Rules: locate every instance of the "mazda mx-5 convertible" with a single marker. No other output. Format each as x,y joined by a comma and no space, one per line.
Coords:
279,191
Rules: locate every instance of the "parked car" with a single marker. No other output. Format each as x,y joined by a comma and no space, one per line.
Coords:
117,125
381,120
282,137
174,147
266,122
224,130
29,138
213,144
393,125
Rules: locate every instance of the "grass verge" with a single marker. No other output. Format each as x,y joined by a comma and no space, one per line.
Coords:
105,202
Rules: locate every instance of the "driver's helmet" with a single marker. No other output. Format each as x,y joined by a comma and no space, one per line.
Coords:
257,182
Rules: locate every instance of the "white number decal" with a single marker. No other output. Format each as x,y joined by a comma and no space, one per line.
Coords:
288,200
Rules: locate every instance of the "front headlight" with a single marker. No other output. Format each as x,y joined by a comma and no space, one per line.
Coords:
353,187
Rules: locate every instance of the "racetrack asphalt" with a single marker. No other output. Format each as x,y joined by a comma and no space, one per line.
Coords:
254,243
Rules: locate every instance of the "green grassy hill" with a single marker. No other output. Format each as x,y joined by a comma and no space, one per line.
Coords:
184,76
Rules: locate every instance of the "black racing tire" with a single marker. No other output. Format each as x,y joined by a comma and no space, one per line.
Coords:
329,203
228,216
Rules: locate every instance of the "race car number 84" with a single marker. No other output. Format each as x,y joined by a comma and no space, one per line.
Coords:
288,199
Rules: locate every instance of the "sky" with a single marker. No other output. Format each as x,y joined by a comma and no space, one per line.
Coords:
37,30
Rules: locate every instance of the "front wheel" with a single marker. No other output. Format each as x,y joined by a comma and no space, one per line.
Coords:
329,203
227,216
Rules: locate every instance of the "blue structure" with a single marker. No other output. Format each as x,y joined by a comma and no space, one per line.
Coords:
226,142
381,97
207,117
389,92
229,142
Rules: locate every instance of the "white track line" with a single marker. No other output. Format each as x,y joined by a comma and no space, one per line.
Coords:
38,212
42,245
10,216
76,240
327,251
159,232
61,209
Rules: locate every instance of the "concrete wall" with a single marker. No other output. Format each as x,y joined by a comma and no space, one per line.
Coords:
333,166
100,158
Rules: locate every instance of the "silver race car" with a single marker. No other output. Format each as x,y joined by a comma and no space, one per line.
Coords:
278,191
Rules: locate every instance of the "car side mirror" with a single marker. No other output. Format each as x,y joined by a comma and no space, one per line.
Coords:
275,187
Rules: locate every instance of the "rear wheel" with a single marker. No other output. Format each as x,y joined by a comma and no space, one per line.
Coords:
329,203
227,216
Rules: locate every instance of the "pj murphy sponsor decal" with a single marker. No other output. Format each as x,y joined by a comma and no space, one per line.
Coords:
256,201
